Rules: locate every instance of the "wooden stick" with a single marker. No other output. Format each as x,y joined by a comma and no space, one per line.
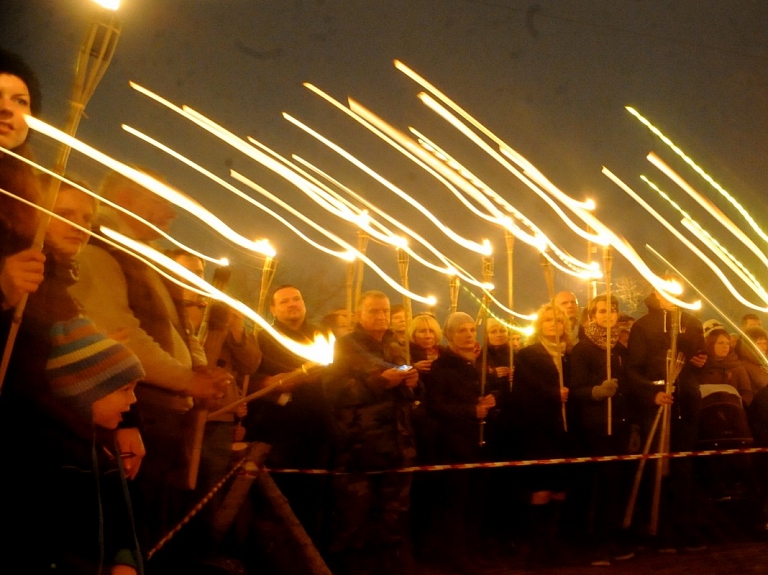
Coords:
403,259
351,266
510,241
483,316
454,287
267,275
362,245
607,267
639,475
297,375
549,278
664,441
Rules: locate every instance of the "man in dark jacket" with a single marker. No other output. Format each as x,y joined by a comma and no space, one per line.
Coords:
649,340
372,400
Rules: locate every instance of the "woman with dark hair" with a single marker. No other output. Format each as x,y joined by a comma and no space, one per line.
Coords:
590,391
21,268
723,366
752,354
67,509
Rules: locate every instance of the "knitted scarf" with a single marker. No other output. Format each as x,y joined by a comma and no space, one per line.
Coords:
597,334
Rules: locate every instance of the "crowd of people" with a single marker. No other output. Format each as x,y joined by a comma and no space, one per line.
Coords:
107,437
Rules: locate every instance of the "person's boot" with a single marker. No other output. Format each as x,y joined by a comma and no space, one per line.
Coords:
540,520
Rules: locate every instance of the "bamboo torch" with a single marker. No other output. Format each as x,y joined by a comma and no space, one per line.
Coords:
267,275
350,289
362,245
510,241
454,287
607,267
672,373
403,259
549,278
482,317
96,53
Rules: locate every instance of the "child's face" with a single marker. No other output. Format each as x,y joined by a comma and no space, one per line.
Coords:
107,411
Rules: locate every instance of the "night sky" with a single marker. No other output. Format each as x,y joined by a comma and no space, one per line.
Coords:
550,78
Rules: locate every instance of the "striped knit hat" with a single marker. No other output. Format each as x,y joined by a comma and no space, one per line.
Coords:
85,365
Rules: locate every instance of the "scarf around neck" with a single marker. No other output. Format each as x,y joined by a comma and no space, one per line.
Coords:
597,334
555,352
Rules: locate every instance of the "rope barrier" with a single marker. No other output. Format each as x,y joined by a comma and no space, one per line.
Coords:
530,462
246,467
241,466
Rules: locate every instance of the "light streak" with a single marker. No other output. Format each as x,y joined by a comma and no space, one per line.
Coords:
527,317
97,197
431,103
745,338
415,153
451,268
430,301
346,256
253,153
151,184
538,240
103,238
469,244
109,4
657,282
526,178
744,213
705,237
320,352
707,205
400,143
564,198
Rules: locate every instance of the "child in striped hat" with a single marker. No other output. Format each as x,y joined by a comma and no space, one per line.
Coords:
91,373
79,486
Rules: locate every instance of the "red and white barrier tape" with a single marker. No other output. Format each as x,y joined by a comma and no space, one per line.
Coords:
529,462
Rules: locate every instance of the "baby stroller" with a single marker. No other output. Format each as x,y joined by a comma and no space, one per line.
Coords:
723,424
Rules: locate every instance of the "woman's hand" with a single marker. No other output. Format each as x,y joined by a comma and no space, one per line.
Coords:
663,398
424,365
564,394
21,274
502,371
484,405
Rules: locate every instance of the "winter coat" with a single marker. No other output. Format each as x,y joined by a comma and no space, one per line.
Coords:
372,425
452,391
535,406
649,341
299,429
588,369
728,371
